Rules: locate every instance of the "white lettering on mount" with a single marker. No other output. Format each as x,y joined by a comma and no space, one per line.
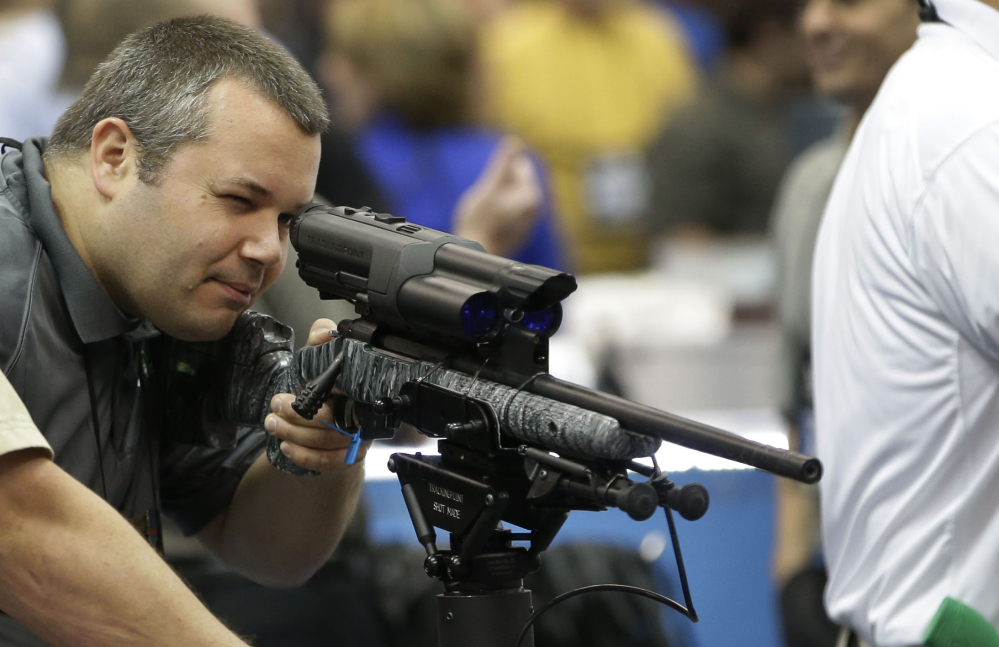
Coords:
446,493
448,510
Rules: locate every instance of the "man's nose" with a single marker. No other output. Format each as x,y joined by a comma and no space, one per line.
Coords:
263,242
816,18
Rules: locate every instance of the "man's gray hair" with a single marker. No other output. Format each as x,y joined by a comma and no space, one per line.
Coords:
157,81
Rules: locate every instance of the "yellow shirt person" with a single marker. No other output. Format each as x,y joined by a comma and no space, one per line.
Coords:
589,93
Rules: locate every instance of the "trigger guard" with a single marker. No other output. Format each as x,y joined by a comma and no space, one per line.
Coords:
343,412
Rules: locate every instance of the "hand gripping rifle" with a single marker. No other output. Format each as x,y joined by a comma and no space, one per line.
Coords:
454,342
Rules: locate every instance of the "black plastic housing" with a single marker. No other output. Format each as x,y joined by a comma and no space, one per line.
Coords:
414,279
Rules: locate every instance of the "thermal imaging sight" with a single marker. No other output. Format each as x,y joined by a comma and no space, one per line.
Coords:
422,281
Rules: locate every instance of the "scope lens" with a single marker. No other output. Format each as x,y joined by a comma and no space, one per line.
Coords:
540,322
480,315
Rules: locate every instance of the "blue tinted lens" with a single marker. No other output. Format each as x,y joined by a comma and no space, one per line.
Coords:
480,315
539,322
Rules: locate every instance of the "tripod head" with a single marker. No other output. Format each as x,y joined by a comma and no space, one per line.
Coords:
473,486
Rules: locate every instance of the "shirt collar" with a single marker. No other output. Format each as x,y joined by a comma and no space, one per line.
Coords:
974,18
94,314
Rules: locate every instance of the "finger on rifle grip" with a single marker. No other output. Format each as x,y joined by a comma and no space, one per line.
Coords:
282,462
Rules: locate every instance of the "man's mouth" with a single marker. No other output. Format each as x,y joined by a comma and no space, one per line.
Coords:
239,291
828,57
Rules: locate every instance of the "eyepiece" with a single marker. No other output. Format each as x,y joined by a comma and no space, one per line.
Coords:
543,322
480,315
450,307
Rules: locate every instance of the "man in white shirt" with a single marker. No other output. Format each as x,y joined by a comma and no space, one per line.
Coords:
906,340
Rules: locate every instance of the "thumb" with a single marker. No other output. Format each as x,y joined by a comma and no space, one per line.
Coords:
320,333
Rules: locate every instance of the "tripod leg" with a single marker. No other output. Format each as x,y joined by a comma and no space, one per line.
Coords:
424,531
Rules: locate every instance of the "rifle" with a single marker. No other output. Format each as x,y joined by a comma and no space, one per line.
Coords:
453,341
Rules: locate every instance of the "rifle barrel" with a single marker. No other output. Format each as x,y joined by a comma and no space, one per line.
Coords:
648,421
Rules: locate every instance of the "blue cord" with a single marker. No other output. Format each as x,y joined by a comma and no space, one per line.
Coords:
355,443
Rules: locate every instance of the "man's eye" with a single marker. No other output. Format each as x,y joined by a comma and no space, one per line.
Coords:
285,218
239,200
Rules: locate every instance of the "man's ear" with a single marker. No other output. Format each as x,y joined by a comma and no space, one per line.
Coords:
113,156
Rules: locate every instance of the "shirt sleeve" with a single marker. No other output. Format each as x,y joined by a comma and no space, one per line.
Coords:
955,240
197,483
17,430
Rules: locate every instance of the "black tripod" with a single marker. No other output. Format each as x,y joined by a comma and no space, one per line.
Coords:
476,483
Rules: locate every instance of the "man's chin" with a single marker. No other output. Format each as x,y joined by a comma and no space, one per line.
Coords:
840,86
207,328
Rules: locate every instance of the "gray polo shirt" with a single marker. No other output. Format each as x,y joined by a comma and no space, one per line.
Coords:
55,318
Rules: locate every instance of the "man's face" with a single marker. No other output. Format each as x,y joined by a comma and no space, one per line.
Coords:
852,44
194,251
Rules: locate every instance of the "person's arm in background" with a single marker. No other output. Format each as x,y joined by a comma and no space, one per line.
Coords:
501,208
544,244
72,569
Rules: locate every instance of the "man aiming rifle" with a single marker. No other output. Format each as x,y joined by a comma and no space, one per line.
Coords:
160,204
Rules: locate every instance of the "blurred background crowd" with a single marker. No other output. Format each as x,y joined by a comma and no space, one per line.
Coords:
675,154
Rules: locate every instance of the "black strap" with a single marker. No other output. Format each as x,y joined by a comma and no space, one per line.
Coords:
7,141
149,524
95,420
928,11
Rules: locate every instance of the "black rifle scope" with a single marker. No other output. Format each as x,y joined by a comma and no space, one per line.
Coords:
423,281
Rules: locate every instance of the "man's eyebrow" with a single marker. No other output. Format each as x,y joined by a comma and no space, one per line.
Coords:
250,185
